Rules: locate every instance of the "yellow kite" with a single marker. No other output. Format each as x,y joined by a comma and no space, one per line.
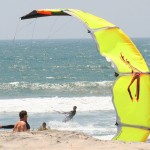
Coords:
131,91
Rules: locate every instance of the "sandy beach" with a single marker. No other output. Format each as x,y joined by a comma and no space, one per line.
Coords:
61,140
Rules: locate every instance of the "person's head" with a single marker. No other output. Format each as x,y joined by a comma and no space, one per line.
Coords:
74,107
23,115
44,124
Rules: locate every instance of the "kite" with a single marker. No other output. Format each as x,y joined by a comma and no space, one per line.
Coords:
131,96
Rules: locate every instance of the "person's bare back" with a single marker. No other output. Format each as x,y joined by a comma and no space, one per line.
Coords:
20,127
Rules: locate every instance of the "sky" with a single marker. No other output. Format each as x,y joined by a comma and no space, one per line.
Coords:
132,16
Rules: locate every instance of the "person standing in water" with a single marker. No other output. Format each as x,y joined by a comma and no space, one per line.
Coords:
70,114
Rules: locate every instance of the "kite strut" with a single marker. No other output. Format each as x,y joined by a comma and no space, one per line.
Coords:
135,77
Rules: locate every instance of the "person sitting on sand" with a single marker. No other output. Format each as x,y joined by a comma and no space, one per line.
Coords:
43,127
70,114
22,125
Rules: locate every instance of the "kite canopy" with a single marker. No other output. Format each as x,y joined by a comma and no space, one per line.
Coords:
131,96
111,41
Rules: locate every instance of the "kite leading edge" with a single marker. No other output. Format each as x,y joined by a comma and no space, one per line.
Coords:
131,96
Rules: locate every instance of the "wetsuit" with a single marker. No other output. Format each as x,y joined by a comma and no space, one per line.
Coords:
8,127
12,126
71,114
27,125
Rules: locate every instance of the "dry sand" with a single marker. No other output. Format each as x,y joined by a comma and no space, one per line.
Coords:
61,140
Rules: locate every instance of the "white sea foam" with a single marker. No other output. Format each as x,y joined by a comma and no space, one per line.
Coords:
102,84
39,105
105,133
49,77
14,83
75,126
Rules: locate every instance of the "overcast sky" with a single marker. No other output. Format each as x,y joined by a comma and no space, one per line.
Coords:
132,16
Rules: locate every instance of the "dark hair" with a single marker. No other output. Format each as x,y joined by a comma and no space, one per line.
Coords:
22,114
74,107
44,123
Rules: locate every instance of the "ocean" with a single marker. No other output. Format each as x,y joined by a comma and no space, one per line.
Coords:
47,76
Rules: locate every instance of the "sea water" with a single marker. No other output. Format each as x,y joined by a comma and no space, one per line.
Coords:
48,76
